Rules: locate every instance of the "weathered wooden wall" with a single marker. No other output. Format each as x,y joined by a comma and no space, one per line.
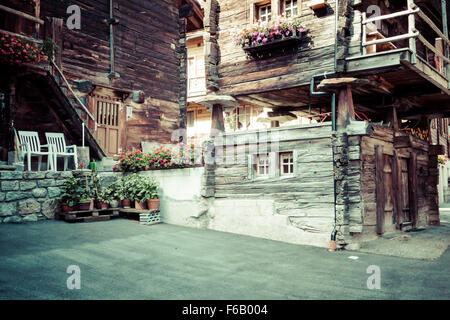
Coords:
241,75
401,171
146,57
307,198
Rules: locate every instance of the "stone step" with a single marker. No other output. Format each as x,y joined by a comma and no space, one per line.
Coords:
5,167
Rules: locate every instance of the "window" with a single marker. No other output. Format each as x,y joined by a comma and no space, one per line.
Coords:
286,163
290,8
243,118
261,166
265,12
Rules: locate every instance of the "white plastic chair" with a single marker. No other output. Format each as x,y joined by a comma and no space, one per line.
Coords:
58,141
31,146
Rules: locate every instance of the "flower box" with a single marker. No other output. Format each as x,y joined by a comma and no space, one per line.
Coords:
267,36
282,42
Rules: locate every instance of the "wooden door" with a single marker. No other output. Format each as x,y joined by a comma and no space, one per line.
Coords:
405,215
107,112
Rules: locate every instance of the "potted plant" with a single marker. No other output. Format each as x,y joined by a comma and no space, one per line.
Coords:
87,202
103,200
113,193
151,194
136,187
71,194
124,192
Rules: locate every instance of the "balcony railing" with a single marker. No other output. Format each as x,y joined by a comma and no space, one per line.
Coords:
440,49
35,19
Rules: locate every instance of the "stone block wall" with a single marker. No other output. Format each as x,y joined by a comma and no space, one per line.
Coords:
30,196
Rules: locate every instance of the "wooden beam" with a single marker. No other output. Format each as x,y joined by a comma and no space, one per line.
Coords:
217,122
379,187
21,14
346,109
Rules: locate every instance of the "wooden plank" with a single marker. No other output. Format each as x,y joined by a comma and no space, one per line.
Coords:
396,185
412,181
380,196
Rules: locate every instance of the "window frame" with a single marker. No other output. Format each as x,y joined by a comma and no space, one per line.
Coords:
268,15
256,165
290,164
273,165
283,7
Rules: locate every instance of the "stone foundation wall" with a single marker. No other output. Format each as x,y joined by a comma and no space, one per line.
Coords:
30,196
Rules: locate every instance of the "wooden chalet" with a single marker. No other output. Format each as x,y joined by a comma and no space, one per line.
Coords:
358,109
119,73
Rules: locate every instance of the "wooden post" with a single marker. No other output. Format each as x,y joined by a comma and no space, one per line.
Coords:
412,182
397,194
411,30
363,34
379,189
346,109
217,118
37,13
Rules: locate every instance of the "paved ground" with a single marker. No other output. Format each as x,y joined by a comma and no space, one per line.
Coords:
428,244
120,259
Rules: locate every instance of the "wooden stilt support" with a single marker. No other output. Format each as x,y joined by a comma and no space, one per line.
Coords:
217,122
346,109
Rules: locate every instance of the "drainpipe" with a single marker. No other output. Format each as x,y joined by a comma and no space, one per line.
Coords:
445,32
332,246
111,22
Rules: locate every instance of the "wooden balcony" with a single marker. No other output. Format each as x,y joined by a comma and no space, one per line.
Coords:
412,58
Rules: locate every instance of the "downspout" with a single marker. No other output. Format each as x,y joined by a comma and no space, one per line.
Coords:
445,32
333,117
111,22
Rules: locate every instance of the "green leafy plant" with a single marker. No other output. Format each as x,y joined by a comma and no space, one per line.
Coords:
88,190
71,193
50,48
142,188
111,192
123,188
104,196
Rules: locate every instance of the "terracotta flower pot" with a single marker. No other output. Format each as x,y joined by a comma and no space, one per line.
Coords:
66,208
139,205
153,204
85,206
126,203
102,205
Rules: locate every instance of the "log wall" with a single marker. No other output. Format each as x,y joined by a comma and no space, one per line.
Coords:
146,57
305,199
239,74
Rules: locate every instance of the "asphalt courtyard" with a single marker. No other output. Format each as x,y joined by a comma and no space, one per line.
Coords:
121,259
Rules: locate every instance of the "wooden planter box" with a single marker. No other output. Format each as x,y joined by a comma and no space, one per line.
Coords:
284,42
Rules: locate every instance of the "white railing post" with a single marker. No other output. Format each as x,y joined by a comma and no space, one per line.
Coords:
363,34
411,30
